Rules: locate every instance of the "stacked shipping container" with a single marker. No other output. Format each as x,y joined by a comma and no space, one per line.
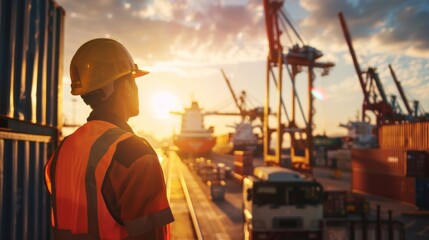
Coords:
399,168
405,136
31,49
243,164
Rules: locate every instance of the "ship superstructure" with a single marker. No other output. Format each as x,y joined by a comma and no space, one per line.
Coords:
194,139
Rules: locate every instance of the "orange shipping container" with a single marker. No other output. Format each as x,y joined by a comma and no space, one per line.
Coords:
242,170
243,157
407,135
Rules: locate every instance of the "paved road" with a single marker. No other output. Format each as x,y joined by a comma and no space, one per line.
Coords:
416,222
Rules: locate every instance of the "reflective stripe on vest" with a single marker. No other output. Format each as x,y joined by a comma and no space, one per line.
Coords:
74,178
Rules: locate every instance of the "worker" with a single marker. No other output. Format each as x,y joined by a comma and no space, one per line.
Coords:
104,181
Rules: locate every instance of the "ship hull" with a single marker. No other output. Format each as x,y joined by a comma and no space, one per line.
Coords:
195,146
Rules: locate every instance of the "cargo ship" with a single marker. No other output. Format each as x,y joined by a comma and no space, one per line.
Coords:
194,139
242,139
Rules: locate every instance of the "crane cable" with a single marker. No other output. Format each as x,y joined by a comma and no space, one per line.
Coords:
294,90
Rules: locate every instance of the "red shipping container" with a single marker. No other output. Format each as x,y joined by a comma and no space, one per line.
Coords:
383,161
389,186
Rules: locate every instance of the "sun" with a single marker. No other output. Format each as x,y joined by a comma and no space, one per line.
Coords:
163,102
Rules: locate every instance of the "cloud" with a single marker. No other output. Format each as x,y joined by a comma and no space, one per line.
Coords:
164,30
391,24
409,26
344,89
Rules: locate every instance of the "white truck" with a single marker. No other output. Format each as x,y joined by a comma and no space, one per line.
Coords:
280,203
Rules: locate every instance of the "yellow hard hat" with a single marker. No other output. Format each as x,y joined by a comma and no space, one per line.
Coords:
100,62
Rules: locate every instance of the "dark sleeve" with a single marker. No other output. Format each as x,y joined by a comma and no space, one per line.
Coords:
137,195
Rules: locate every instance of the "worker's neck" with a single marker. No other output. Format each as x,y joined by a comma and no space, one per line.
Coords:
116,108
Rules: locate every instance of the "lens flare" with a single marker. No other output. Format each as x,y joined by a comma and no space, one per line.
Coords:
318,94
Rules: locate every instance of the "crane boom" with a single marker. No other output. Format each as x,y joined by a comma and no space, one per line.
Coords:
374,75
382,109
352,53
232,93
401,91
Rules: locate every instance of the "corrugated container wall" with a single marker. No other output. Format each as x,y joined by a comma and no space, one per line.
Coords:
31,63
401,160
390,186
407,135
380,161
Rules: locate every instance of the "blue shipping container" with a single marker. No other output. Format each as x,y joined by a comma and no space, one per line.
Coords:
24,203
31,61
422,185
422,193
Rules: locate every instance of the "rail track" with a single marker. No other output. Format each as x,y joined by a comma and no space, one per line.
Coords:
186,224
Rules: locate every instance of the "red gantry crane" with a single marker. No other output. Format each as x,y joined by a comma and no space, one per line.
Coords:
375,99
297,57
371,86
401,91
416,113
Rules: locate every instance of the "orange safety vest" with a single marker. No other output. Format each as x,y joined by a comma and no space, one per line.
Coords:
74,179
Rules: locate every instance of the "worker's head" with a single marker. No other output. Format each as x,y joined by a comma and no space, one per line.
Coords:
102,69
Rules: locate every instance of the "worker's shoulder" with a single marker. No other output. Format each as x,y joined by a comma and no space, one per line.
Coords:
131,149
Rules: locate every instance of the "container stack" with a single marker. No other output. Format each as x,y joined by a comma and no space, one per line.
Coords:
31,65
243,164
335,204
217,189
339,159
399,168
213,175
216,182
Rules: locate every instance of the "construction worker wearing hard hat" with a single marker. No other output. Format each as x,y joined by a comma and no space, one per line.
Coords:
105,182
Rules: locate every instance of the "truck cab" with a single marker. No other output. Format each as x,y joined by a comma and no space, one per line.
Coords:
279,203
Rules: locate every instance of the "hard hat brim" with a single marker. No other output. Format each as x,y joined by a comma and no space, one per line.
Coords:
139,73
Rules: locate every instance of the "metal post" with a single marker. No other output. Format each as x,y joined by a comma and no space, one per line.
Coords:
292,119
364,227
390,225
266,111
309,137
352,231
378,227
279,109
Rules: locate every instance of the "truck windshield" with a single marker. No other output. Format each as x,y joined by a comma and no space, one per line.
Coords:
296,193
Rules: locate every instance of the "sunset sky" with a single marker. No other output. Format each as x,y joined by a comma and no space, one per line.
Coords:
185,43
